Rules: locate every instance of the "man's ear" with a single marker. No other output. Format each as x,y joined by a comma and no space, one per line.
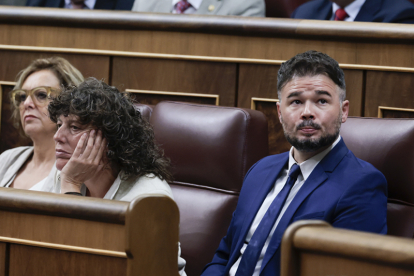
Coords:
279,113
345,110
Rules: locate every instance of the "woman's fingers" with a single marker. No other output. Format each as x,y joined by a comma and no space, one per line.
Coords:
80,146
101,151
93,156
90,145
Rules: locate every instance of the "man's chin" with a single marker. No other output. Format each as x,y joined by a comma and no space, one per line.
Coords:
312,143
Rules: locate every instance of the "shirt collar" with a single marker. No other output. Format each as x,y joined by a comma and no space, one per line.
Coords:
194,3
306,167
90,4
352,9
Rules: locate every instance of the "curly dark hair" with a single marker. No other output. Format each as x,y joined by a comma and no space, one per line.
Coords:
131,143
311,63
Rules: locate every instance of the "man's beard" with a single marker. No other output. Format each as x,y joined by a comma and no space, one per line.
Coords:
311,145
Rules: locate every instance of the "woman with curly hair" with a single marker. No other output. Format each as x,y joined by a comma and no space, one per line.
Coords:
104,148
33,167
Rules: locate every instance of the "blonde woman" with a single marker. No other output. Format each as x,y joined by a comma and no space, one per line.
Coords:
33,167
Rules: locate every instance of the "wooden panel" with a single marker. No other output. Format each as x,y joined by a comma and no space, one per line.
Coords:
311,248
9,135
28,260
154,99
60,230
4,259
15,61
277,140
174,42
177,76
388,89
354,91
385,54
318,264
397,114
256,80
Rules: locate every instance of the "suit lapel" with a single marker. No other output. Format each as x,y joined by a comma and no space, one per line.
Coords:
316,178
369,10
260,196
209,7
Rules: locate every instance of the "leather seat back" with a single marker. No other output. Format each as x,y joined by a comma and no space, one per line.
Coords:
211,148
388,144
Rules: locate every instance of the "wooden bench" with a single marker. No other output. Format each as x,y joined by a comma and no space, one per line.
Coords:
52,234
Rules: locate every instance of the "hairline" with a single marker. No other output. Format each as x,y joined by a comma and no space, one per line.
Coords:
341,92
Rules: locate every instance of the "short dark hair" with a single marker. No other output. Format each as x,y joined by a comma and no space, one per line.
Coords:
311,63
131,143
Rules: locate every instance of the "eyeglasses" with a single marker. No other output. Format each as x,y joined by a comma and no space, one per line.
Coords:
40,95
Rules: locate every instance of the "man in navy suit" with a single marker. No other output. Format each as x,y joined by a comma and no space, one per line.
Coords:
388,11
83,4
319,178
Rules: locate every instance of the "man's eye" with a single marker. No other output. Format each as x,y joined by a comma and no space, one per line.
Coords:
59,125
74,127
295,102
323,101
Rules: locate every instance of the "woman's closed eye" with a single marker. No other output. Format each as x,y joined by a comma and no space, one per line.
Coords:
75,128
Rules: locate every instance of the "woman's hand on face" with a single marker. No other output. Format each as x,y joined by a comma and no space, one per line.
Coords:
85,163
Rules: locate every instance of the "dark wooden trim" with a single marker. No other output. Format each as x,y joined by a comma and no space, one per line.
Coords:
229,25
86,208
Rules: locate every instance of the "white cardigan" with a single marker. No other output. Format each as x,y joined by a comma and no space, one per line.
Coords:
12,160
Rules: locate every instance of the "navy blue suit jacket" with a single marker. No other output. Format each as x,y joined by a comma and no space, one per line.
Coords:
342,190
99,5
388,11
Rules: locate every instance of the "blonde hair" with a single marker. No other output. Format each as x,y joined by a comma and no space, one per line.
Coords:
66,73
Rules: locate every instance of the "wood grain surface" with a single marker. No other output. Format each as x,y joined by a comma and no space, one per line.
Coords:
277,140
397,114
89,65
314,248
256,80
4,259
389,89
321,264
177,76
60,230
28,260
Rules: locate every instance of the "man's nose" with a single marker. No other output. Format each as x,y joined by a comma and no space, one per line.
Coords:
307,112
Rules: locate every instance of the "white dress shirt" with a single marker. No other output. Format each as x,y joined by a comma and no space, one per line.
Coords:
195,5
352,9
306,169
89,4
